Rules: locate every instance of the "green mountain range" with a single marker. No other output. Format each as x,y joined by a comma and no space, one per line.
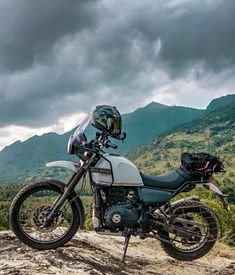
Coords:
145,123
221,102
25,161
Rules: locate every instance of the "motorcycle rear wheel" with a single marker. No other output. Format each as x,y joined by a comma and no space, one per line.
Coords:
203,238
29,209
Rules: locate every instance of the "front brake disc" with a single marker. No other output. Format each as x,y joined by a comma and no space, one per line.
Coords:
39,215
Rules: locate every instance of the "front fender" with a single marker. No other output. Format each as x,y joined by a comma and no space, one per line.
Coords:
65,164
74,196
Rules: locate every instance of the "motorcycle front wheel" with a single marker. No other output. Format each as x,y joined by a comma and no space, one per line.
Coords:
28,213
200,222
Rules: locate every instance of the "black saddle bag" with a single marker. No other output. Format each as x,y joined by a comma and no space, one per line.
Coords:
203,163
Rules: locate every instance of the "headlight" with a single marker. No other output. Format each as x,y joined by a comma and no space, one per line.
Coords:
70,147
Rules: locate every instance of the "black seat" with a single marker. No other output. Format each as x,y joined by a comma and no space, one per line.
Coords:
173,180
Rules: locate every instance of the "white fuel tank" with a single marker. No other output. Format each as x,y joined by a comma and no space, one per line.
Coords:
117,171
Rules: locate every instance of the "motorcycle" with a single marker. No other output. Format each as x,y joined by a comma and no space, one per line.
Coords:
126,202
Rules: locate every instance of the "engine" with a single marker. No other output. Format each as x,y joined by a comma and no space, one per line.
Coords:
120,215
121,211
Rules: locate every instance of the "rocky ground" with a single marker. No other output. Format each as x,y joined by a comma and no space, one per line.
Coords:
89,253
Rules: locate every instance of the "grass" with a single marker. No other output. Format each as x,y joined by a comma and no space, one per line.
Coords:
222,250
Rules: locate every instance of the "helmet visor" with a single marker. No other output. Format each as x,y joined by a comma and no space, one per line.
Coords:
117,126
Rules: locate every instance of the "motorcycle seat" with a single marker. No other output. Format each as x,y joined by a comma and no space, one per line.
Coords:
173,180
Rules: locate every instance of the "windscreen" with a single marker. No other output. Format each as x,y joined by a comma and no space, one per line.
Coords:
82,126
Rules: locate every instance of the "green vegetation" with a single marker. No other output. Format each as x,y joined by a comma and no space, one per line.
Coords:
221,102
7,193
142,125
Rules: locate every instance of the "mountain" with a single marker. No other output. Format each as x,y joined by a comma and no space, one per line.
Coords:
25,161
145,123
213,132
221,102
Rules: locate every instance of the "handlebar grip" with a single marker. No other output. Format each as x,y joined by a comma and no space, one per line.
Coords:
122,136
110,144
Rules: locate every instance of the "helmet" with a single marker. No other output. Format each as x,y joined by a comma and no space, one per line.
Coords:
107,118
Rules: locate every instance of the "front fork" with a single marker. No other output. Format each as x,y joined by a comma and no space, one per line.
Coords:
67,190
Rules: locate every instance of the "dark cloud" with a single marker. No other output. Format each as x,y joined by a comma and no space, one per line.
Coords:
203,33
59,57
29,29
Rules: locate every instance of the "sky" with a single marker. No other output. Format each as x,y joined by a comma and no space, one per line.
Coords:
59,58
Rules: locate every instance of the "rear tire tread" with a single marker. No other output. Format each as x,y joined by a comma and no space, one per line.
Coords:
184,256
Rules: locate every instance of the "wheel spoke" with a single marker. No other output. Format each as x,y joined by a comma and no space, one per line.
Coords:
193,226
34,210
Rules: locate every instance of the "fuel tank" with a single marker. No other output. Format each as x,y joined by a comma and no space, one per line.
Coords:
117,171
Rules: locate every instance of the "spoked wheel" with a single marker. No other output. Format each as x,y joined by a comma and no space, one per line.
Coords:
201,226
29,211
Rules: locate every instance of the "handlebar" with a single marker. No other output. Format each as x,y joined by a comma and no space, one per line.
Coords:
101,141
122,136
108,144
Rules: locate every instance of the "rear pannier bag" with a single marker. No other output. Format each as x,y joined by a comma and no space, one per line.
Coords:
203,163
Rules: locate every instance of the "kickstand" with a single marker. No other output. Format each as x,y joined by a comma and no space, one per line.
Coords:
127,239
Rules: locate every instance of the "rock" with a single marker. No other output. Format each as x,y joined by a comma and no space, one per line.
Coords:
89,253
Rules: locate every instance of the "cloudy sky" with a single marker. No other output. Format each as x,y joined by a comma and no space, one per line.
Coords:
59,58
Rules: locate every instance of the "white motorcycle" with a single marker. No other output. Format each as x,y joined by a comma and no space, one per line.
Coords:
47,214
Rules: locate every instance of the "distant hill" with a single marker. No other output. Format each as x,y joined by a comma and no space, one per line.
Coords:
25,161
220,102
145,123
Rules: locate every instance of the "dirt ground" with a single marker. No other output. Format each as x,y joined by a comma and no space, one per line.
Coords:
89,253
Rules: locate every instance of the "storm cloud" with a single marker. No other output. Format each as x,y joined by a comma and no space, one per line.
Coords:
28,30
59,58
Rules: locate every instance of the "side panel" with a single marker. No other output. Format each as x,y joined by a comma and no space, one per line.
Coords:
125,173
154,197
